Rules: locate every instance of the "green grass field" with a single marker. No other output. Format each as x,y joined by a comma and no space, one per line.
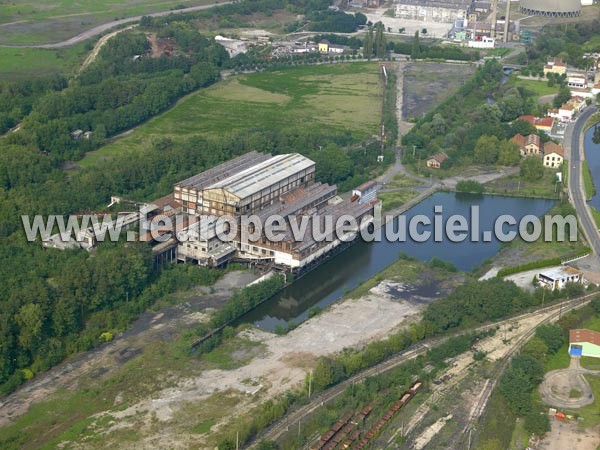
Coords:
338,97
18,62
588,181
40,21
540,88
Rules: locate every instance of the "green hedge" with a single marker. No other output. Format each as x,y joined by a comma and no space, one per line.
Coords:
538,264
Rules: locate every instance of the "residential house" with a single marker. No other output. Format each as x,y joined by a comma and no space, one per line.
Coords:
528,145
324,46
556,66
540,123
436,161
553,155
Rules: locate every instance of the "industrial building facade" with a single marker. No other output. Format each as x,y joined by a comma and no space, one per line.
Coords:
244,185
447,11
263,186
211,218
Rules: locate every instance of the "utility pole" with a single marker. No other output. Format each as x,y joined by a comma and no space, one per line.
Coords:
414,150
310,383
237,440
543,296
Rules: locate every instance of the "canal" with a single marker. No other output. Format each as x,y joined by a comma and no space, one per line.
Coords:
592,156
347,270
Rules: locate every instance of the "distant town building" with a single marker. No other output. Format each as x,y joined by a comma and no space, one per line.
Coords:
540,123
484,42
528,145
324,46
365,192
558,277
556,66
433,11
436,161
584,343
576,81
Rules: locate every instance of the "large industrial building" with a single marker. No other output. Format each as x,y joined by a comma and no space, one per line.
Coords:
433,11
551,8
244,185
206,220
261,185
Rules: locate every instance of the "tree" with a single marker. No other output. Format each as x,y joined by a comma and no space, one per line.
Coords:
424,31
416,46
518,382
532,168
536,348
327,372
360,19
552,335
30,321
486,150
564,94
368,45
380,42
402,30
523,127
509,153
537,422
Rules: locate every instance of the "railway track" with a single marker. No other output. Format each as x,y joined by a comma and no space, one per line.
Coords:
488,389
276,430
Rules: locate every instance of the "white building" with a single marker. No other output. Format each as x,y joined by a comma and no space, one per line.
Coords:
576,81
447,11
558,277
485,42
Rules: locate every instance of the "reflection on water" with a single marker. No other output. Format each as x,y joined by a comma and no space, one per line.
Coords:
592,156
358,263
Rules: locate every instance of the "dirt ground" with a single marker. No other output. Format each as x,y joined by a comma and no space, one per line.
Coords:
568,435
427,84
283,365
558,385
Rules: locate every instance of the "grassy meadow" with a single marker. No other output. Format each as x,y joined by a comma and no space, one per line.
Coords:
340,96
39,21
18,62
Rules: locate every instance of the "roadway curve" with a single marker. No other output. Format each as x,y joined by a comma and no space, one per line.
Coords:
574,148
99,29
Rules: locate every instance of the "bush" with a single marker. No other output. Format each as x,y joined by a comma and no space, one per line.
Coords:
470,186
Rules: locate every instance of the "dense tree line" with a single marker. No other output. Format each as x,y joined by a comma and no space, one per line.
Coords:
118,92
419,50
70,301
563,42
17,97
335,21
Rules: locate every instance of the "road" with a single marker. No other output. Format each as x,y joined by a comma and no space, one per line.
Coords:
574,149
99,29
291,420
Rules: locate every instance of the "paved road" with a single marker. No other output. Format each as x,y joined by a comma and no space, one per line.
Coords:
574,149
99,29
